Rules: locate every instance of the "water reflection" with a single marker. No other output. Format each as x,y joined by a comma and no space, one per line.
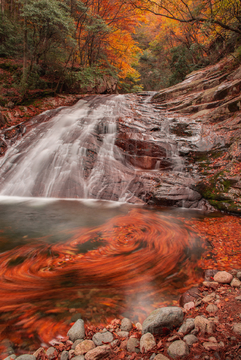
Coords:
64,258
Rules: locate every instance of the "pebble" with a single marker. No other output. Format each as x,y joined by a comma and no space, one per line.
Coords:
235,283
51,353
133,345
160,319
64,355
98,353
126,324
223,277
209,297
211,308
102,337
212,345
190,339
204,325
147,342
83,347
238,298
76,343
161,357
211,284
77,331
237,328
178,349
123,334
188,306
238,275
187,326
139,326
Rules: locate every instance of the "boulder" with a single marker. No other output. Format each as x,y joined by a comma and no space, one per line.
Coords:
178,349
162,320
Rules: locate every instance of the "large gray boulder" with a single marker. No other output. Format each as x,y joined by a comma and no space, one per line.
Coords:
162,320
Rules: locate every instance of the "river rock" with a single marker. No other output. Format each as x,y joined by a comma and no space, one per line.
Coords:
178,349
235,283
79,357
238,275
160,357
209,274
76,343
209,298
138,326
133,345
126,324
189,295
187,326
10,357
211,308
100,352
204,325
84,347
223,277
212,345
64,355
211,284
26,357
147,342
237,328
51,353
77,331
190,339
163,319
123,334
101,338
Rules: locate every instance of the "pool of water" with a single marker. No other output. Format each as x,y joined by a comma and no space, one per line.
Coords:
61,259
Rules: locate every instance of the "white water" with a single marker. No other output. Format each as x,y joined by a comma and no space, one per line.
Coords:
52,160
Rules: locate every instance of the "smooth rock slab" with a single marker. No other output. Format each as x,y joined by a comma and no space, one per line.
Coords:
190,339
187,326
223,277
147,342
126,324
83,347
237,328
161,320
178,349
101,338
77,331
100,352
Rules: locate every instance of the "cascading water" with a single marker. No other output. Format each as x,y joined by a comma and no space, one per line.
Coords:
72,156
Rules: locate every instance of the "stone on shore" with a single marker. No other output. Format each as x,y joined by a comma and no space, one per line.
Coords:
237,328
204,325
133,345
190,339
83,347
178,349
161,320
101,338
147,342
223,277
235,283
126,324
77,331
187,326
100,352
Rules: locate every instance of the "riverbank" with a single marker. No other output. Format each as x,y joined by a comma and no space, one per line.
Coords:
206,325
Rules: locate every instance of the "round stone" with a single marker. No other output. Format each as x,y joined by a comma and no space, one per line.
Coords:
126,324
211,308
235,283
178,349
190,339
83,347
77,331
147,342
101,338
223,277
